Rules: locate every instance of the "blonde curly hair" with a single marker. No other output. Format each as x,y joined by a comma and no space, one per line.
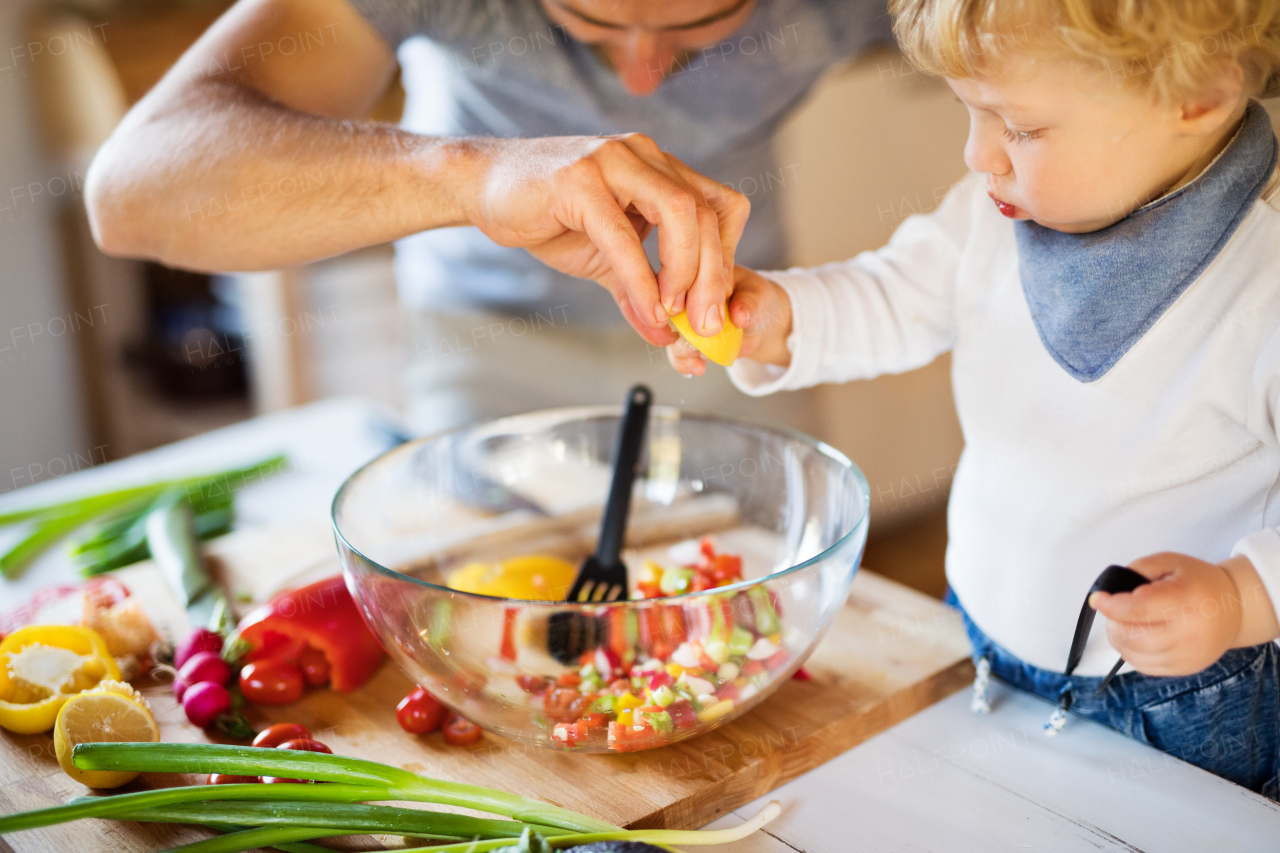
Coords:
1175,48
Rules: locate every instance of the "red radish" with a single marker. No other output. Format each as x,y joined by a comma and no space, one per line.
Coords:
204,666
662,679
199,640
273,736
203,703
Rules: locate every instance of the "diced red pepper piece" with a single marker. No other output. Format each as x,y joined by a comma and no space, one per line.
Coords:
752,667
563,703
777,660
565,734
802,674
593,721
631,738
508,649
673,627
569,679
322,615
619,636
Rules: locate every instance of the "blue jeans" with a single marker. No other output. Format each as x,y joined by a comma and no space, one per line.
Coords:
1224,719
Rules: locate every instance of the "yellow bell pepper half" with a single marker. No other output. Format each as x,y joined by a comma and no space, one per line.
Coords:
42,666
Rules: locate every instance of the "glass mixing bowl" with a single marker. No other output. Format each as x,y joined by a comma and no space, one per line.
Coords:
598,677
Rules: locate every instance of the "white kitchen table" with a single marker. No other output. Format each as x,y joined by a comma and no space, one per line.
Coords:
943,780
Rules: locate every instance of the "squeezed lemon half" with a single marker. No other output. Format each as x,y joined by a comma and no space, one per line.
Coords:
113,711
535,577
722,347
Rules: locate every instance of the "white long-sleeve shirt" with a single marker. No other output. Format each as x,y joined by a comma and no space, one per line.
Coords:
1174,449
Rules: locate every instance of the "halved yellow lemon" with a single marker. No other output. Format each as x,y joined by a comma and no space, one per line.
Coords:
536,577
113,711
722,347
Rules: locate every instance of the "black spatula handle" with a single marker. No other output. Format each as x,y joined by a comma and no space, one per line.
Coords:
626,455
1113,579
1117,579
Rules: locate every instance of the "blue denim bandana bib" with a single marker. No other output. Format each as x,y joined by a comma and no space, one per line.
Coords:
1094,295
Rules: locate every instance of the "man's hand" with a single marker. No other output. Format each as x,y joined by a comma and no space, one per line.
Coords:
1189,615
582,205
762,310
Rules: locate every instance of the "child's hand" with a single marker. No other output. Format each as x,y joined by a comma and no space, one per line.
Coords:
762,310
1185,619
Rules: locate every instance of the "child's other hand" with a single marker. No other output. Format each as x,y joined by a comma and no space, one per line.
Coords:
1181,622
762,310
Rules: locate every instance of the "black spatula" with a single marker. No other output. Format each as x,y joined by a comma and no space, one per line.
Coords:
1113,579
603,576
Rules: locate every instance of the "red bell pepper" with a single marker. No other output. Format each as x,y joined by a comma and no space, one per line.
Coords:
322,616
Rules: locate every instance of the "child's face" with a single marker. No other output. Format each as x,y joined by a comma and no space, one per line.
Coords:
1062,145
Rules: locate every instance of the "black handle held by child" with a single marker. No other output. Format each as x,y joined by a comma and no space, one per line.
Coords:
1113,579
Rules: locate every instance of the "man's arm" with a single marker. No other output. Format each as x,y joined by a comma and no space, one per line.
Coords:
246,156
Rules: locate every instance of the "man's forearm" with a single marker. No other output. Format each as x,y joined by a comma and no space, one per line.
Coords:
225,179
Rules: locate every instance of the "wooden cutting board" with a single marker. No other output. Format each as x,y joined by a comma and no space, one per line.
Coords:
891,652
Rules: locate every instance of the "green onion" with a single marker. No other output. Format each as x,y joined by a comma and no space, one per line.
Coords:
284,815
263,836
296,764
108,807
661,837
346,816
119,540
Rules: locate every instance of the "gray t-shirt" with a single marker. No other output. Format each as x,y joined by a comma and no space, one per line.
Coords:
502,68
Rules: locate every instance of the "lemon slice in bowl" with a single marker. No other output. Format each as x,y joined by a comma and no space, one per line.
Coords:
722,347
536,577
113,711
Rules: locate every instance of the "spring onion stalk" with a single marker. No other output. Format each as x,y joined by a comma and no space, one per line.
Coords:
296,764
262,836
662,837
354,817
287,847
51,522
108,807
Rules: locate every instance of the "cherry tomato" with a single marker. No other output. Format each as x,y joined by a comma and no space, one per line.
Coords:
460,731
307,745
420,712
281,732
315,666
593,721
271,682
228,779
